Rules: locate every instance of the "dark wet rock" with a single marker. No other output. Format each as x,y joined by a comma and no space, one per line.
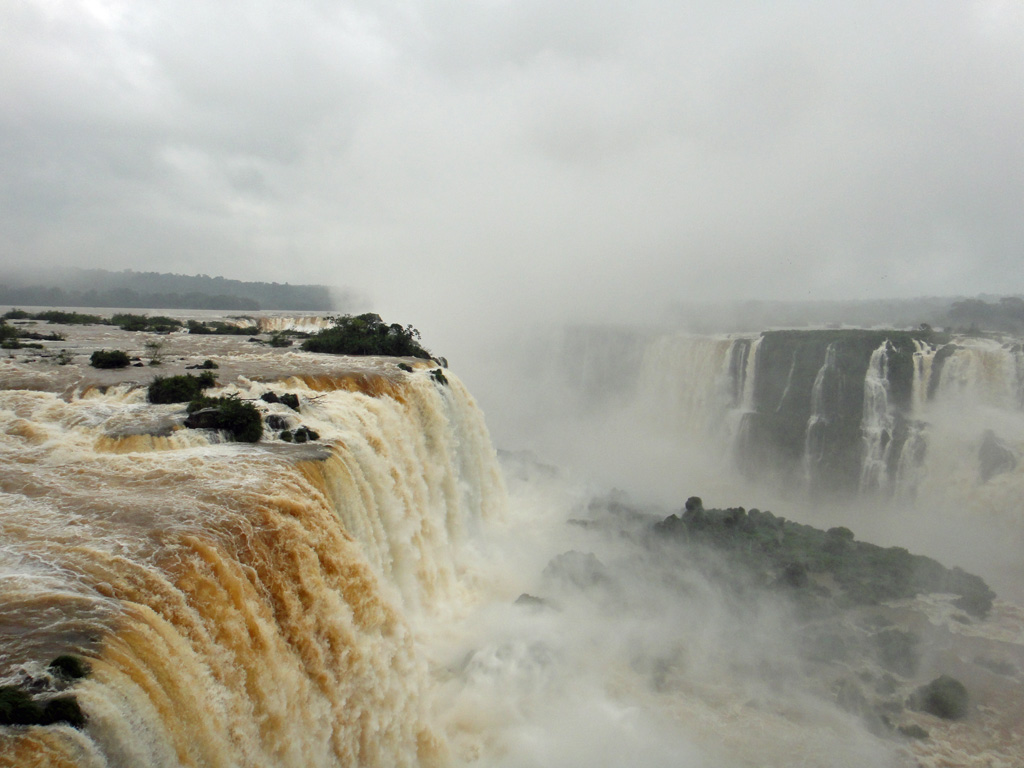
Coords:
582,570
276,421
944,697
289,399
530,601
69,667
21,707
994,457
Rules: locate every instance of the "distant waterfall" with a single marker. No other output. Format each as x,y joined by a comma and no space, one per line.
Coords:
878,422
824,410
850,412
302,323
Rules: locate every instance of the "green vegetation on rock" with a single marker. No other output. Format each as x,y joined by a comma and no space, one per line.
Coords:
179,389
69,667
944,697
156,324
863,573
68,318
367,334
109,358
241,419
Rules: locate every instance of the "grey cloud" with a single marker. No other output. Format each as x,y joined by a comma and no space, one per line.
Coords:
544,157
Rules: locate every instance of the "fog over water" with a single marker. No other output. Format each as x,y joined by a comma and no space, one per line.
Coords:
471,165
502,175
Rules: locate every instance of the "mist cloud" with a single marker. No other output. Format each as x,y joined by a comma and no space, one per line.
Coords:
542,159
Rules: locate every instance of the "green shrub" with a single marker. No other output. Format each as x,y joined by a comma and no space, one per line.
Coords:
16,314
69,667
130,322
944,697
164,324
367,334
158,324
229,414
179,389
109,358
7,332
68,318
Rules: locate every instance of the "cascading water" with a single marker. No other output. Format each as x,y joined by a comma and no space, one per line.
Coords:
878,423
301,323
364,600
824,409
855,412
239,605
689,381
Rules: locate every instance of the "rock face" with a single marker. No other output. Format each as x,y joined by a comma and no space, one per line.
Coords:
811,404
944,697
994,457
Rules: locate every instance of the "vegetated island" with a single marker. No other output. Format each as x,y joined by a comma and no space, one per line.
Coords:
367,334
863,634
129,289
828,575
780,552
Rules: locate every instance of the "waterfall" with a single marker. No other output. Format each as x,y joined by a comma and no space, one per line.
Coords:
841,411
877,423
302,323
823,411
685,382
238,604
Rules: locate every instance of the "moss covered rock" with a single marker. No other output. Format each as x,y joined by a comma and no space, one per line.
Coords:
944,697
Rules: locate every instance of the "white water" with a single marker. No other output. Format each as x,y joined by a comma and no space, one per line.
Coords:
878,423
282,605
240,605
823,410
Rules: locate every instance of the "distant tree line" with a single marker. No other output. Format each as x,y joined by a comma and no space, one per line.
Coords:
101,288
1005,315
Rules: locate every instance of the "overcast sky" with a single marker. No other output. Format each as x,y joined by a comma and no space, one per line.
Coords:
457,157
